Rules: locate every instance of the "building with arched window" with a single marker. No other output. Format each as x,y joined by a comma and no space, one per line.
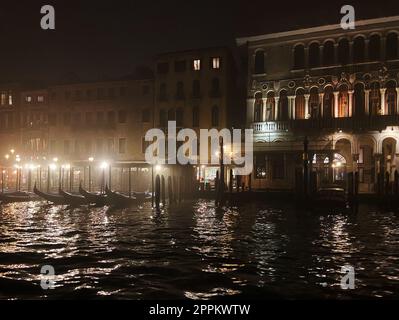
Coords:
338,88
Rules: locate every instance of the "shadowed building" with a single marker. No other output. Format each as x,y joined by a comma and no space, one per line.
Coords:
198,90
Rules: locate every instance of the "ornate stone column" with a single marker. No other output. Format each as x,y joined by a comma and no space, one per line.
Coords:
307,96
293,106
321,102
276,108
264,100
367,101
350,97
291,114
336,101
382,91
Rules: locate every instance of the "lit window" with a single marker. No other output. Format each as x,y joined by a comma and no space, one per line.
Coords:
40,98
3,98
197,64
216,63
10,99
28,98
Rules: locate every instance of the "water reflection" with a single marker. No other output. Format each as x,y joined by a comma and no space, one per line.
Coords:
196,251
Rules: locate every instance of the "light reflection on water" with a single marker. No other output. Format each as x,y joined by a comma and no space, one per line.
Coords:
196,251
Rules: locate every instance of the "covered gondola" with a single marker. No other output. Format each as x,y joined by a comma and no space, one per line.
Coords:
93,198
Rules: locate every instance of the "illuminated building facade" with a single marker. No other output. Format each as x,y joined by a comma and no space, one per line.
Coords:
337,87
79,125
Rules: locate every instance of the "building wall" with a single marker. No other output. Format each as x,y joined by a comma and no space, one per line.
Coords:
338,88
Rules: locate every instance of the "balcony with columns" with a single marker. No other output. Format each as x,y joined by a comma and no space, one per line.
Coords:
376,112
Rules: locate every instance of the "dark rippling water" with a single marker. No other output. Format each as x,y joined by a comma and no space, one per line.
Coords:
195,251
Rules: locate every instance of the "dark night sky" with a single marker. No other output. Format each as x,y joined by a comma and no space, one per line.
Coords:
110,38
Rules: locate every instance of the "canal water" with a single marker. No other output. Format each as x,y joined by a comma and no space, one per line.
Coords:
194,251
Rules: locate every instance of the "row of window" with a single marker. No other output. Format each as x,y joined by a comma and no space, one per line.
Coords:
362,49
215,63
68,118
5,98
178,116
195,90
325,108
88,147
31,99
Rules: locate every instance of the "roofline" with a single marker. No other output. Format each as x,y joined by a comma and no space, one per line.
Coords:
269,36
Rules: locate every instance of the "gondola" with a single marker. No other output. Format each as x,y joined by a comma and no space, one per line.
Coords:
73,199
120,200
96,198
51,197
18,196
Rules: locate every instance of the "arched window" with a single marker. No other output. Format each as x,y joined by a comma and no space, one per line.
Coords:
392,46
343,102
258,108
358,100
390,97
328,53
328,103
374,47
314,105
270,107
314,55
283,106
215,116
180,90
300,104
259,62
196,89
171,115
163,119
299,57
375,99
358,49
343,51
195,116
179,117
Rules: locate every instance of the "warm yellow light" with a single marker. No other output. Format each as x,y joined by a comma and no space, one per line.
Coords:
158,167
18,159
12,151
53,166
55,159
91,159
67,166
7,156
104,165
